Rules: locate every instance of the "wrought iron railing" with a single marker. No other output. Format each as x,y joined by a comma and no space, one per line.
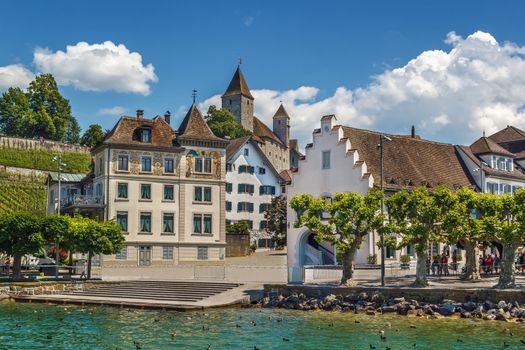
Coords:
82,200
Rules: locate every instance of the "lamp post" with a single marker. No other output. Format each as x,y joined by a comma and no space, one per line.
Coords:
58,159
381,146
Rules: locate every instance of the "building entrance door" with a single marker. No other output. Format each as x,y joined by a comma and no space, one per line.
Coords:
144,255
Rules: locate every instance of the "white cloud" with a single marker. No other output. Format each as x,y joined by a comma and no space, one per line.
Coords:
112,111
97,67
477,85
15,75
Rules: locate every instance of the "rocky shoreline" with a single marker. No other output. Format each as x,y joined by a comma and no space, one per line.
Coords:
377,304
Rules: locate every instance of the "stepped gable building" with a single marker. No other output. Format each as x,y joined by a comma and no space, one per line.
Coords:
165,187
252,182
275,142
346,159
497,162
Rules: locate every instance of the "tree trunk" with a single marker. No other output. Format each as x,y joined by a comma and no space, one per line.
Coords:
348,267
421,267
472,268
17,266
90,255
506,276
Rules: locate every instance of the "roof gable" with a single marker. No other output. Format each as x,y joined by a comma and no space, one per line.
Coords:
281,112
162,135
261,131
484,145
509,134
194,126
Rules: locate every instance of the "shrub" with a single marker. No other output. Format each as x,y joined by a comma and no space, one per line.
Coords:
372,259
405,259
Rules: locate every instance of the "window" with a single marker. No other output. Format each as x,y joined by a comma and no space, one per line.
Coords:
228,206
98,190
169,165
122,190
245,207
501,163
246,152
326,160
100,166
168,192
202,194
202,223
146,135
203,165
145,163
229,187
122,220
123,254
263,224
229,166
202,253
145,191
122,163
267,189
167,253
167,222
263,207
245,188
410,250
246,169
262,170
492,187
145,222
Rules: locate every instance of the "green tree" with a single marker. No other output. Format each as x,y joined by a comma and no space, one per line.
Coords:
16,117
93,237
275,218
92,136
223,123
416,217
351,217
72,131
20,234
463,225
238,228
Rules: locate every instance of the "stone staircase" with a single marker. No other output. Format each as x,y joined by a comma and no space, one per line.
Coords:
177,291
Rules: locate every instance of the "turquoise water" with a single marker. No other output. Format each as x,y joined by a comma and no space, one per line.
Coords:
37,326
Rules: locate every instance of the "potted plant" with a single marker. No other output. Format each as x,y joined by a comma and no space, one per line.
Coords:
372,259
405,261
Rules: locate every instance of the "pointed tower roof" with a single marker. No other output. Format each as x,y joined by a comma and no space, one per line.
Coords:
509,134
238,85
281,112
194,126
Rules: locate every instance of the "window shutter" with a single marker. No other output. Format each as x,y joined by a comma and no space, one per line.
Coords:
252,188
273,190
250,207
261,189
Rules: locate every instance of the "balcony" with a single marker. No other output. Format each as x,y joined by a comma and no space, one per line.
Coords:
82,201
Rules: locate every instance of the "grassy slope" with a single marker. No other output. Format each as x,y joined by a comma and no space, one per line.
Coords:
43,159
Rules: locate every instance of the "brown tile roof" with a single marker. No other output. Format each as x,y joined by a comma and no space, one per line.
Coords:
162,135
408,161
281,112
484,145
509,134
515,174
261,131
194,126
234,145
287,176
238,85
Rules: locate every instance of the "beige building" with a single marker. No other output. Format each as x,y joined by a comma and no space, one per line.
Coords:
166,189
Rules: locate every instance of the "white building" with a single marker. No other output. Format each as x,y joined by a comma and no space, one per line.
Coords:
252,182
345,159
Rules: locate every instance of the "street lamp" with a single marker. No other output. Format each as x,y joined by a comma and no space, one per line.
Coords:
381,147
58,159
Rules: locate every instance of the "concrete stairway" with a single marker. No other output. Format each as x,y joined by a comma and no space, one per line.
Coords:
159,290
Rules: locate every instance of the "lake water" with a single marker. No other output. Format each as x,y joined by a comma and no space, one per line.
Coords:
38,326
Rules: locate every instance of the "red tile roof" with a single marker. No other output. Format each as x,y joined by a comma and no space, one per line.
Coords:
509,134
485,145
261,131
194,126
162,135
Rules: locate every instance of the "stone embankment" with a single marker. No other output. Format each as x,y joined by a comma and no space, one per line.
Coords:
12,290
377,304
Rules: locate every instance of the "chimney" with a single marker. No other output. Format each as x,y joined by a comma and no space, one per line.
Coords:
140,113
413,132
167,117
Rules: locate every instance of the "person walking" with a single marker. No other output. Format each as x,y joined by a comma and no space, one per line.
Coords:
444,264
435,266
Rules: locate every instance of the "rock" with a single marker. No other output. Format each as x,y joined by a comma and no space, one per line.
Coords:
399,300
363,296
388,309
448,301
502,315
446,310
292,299
489,305
352,298
329,298
370,312
377,298
489,317
469,306
465,314
501,304
414,313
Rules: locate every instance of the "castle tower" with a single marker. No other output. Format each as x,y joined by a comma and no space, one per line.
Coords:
281,125
239,100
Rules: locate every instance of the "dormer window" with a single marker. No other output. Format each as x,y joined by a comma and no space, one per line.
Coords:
501,163
142,134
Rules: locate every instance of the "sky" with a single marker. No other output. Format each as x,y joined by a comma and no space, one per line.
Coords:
453,69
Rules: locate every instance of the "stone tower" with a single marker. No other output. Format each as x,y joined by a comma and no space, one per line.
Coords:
281,125
239,100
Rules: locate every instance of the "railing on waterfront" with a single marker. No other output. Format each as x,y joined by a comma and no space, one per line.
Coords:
82,200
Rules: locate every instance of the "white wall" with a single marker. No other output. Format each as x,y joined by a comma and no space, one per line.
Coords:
343,175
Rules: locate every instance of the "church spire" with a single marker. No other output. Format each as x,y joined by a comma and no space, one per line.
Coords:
238,86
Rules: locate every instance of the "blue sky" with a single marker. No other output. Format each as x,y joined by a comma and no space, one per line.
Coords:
319,46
